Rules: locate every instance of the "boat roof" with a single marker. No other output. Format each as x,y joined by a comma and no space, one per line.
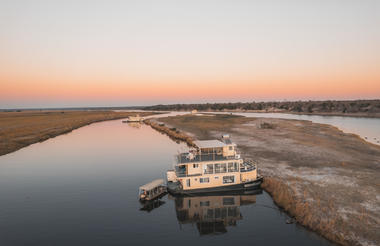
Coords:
227,141
203,144
152,184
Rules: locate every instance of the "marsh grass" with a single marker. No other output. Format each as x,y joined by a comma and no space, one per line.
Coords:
309,214
173,133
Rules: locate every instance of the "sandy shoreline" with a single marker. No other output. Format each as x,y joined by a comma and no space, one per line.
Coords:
325,178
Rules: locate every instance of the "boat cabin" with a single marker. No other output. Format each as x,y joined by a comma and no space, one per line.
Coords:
152,190
136,118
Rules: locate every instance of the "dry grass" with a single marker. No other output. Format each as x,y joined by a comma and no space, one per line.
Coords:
202,126
304,212
325,178
173,133
266,125
20,129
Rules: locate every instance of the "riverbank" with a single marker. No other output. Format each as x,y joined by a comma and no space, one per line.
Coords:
325,178
20,129
172,133
357,115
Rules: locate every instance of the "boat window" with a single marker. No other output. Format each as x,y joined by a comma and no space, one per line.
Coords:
228,201
188,182
204,180
218,213
220,168
228,179
233,212
204,204
217,168
208,169
224,213
181,170
210,213
232,167
195,165
230,148
223,167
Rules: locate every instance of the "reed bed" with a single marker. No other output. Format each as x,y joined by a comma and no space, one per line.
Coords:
173,133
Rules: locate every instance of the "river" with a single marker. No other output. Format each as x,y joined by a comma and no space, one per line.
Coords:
81,189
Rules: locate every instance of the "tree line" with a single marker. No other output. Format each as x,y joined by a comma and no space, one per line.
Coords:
329,106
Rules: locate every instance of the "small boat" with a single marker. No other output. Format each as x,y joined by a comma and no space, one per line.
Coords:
153,190
136,118
213,166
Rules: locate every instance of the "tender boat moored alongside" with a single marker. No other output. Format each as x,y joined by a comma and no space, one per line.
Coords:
153,190
213,166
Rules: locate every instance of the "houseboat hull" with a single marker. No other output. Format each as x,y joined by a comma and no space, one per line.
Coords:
175,188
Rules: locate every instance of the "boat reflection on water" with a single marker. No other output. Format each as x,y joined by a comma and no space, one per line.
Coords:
134,124
148,206
213,213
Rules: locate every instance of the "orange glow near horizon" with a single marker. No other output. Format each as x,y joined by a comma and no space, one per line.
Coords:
24,88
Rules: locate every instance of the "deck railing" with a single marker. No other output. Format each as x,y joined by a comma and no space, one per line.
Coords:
189,157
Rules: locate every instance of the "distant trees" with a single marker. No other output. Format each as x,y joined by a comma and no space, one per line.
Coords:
357,106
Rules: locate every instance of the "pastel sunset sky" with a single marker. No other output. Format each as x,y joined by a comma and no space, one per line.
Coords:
123,53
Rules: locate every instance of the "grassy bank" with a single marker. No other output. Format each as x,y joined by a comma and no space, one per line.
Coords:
20,129
326,179
172,133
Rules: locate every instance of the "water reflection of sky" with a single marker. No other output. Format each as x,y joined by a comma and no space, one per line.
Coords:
81,189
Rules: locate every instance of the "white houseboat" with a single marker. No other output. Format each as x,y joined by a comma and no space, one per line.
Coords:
212,166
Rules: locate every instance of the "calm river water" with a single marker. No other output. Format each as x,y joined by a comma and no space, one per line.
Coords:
81,189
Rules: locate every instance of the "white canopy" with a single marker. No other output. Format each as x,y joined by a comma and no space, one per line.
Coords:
204,144
152,184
